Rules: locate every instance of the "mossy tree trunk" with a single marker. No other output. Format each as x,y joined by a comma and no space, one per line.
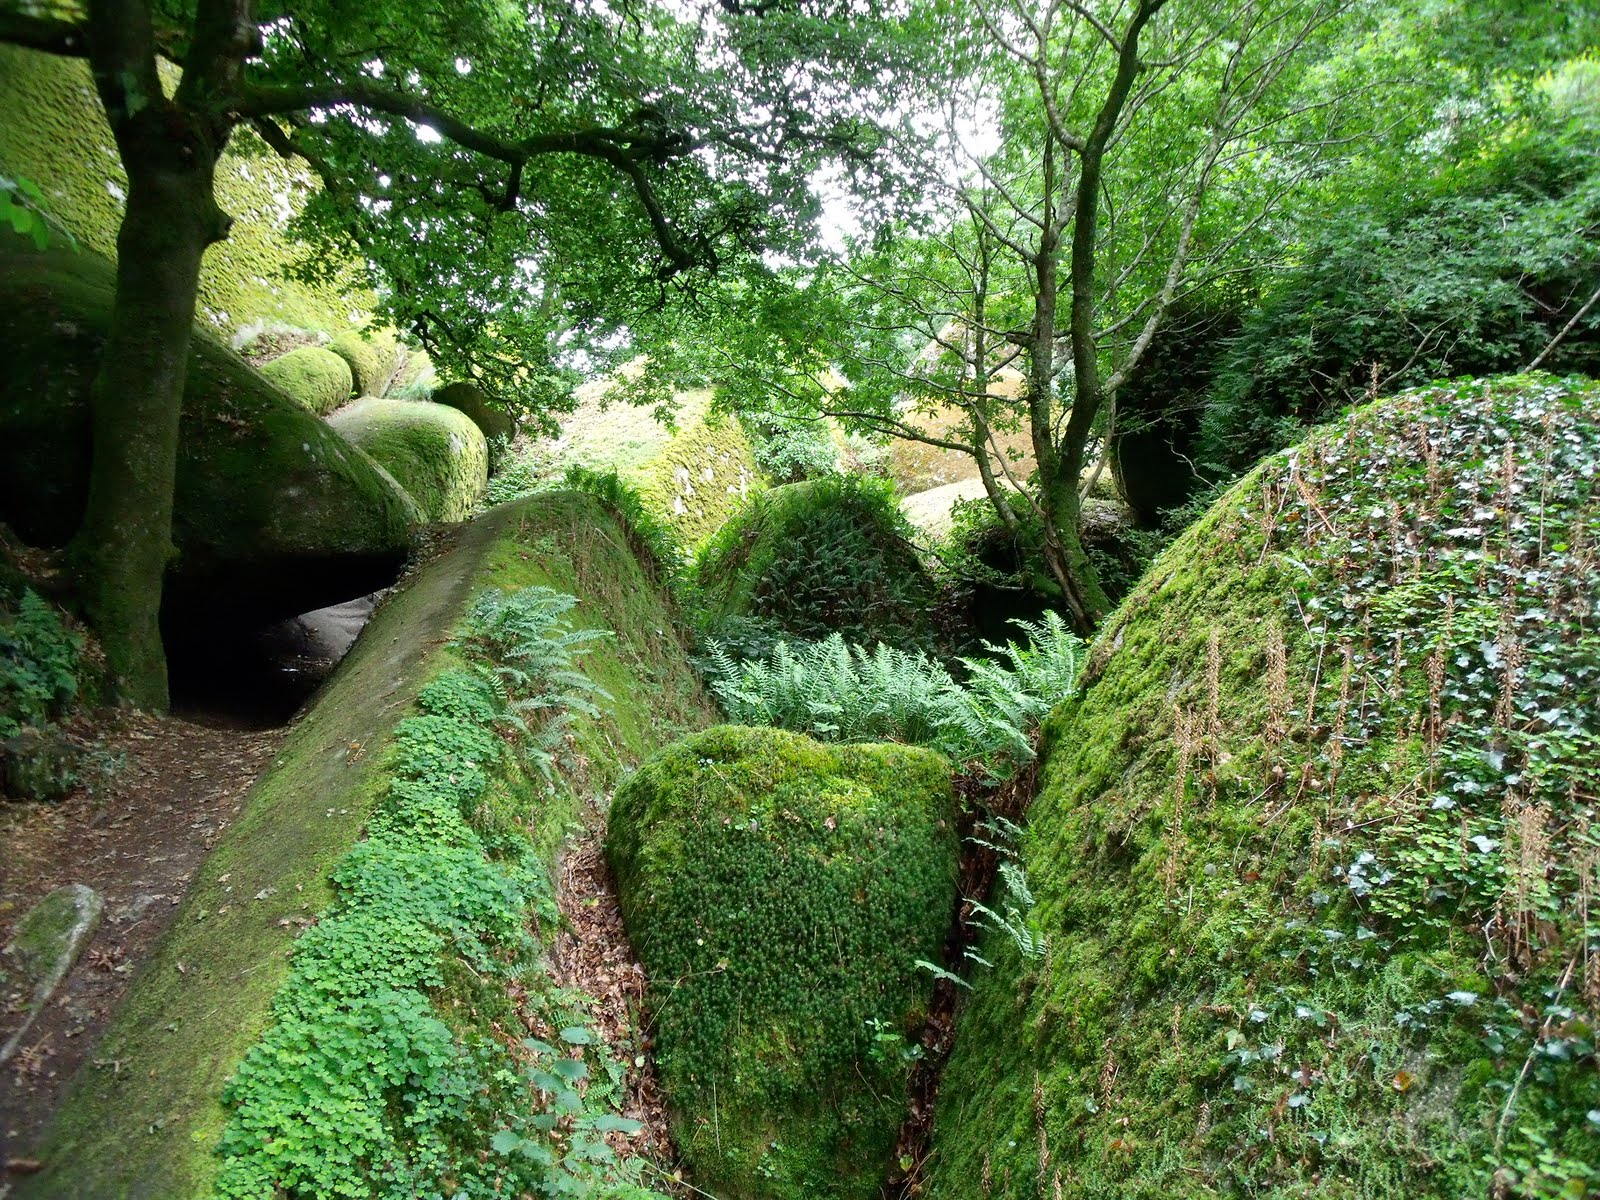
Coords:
169,149
122,548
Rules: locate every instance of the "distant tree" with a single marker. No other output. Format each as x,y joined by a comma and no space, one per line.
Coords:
1145,149
517,173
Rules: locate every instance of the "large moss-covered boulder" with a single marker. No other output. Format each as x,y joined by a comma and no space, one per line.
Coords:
1315,849
274,515
825,556
779,893
498,426
437,453
370,363
318,378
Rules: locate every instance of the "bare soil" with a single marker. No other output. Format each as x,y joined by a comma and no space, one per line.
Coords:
166,792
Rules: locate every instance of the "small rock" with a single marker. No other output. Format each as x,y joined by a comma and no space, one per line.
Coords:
47,942
39,764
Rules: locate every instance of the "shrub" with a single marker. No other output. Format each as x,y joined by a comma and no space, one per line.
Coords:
839,692
790,450
39,663
828,556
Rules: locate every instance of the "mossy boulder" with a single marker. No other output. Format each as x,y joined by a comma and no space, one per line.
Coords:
825,556
1314,849
318,378
370,363
498,426
275,514
779,893
438,455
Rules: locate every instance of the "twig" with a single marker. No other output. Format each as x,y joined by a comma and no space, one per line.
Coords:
1565,329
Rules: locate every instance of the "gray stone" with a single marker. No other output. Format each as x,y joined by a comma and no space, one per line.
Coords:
47,942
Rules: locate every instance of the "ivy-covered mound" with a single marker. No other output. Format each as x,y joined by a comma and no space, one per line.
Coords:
437,453
318,378
826,556
273,513
1316,851
779,893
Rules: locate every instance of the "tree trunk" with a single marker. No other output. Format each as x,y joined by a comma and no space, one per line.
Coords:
122,548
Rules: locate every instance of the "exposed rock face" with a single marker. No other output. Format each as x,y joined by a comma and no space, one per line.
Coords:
436,453
275,514
779,893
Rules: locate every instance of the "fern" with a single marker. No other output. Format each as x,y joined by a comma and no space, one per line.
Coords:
842,692
518,644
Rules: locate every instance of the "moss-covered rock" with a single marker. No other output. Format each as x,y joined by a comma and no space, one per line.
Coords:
1315,844
824,556
437,453
275,514
779,893
50,937
318,378
369,362
498,426
55,133
154,1132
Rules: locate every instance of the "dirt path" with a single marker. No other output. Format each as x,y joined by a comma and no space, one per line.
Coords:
592,955
169,791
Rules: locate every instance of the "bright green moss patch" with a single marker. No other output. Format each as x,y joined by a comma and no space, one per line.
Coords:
1316,840
692,475
318,378
811,559
779,893
436,453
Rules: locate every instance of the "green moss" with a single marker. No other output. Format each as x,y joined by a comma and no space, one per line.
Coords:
437,453
370,361
143,1119
55,134
701,476
50,937
779,893
498,426
692,475
317,378
825,556
1313,901
263,486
